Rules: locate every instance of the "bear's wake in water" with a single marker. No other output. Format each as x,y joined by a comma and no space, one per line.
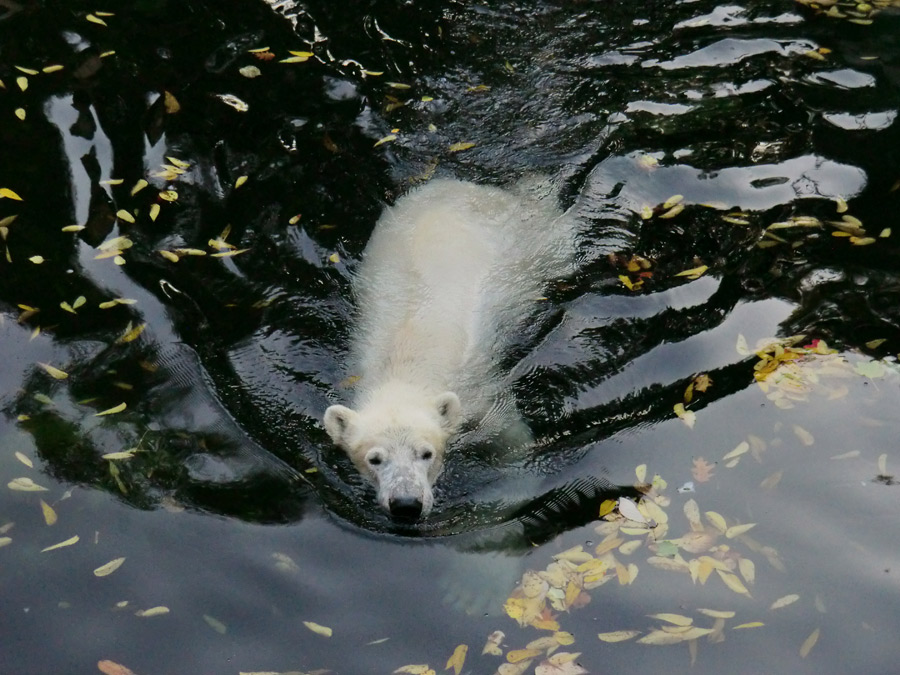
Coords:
449,276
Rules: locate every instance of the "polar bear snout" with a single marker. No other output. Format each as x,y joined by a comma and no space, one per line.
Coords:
405,508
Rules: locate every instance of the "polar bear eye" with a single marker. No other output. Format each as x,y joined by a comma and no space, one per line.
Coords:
426,454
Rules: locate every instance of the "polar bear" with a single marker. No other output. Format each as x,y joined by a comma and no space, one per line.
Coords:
450,273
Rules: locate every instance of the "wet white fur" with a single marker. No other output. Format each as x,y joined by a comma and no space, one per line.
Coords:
449,275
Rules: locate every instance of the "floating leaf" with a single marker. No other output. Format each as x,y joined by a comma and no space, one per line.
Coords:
784,601
49,514
171,103
751,624
153,611
459,147
733,582
24,459
108,568
113,668
240,181
20,113
111,411
618,635
386,139
123,454
25,485
95,19
717,614
717,520
318,629
416,669
457,659
215,624
737,530
809,643
131,334
701,470
55,373
517,655
73,228
742,447
693,273
122,214
805,437
67,542
492,646
677,619
9,194
250,72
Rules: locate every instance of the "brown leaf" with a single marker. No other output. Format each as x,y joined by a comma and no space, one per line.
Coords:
702,471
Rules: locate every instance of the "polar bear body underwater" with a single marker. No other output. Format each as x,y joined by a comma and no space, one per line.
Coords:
450,274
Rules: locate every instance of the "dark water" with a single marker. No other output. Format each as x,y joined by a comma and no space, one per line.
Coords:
236,516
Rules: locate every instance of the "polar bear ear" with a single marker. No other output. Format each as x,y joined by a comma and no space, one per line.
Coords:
339,422
449,409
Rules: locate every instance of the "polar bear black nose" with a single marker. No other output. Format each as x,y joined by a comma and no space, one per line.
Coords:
406,508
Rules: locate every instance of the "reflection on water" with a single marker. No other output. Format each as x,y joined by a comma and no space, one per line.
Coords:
775,124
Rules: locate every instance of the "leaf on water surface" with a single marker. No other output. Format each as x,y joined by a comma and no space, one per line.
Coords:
733,582
686,416
9,194
882,464
749,624
416,669
717,521
701,470
748,570
741,448
37,259
607,506
518,655
240,181
24,459
215,624
805,437
676,619
318,629
737,530
49,514
171,103
25,485
131,334
693,273
250,72
458,658
809,643
55,373
460,147
618,635
386,139
68,542
113,668
629,509
784,601
492,645
95,19
717,614
153,611
230,254
111,411
561,663
870,369
674,211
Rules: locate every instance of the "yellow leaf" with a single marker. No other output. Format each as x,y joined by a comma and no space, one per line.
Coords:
661,637
131,334
809,643
49,513
20,113
123,454
95,19
122,214
51,69
108,568
563,638
240,181
751,624
55,373
318,629
24,459
717,614
672,201
742,447
694,272
73,228
9,194
22,82
607,506
674,211
737,530
397,85
169,195
111,411
618,635
113,668
153,611
171,257
67,542
677,619
784,601
717,521
492,645
459,147
516,655
641,473
294,59
748,570
415,669
733,582
27,71
805,437
154,212
25,485
459,657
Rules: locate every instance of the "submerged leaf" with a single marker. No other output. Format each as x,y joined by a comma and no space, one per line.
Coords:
68,542
108,568
318,629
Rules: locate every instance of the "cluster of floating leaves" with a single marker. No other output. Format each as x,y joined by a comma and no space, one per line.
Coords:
709,547
855,12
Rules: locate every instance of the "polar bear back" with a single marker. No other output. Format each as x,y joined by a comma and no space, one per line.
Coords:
448,275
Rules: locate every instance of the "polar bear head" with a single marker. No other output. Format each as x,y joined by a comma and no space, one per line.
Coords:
398,444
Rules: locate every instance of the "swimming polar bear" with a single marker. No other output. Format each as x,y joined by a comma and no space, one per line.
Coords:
448,276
